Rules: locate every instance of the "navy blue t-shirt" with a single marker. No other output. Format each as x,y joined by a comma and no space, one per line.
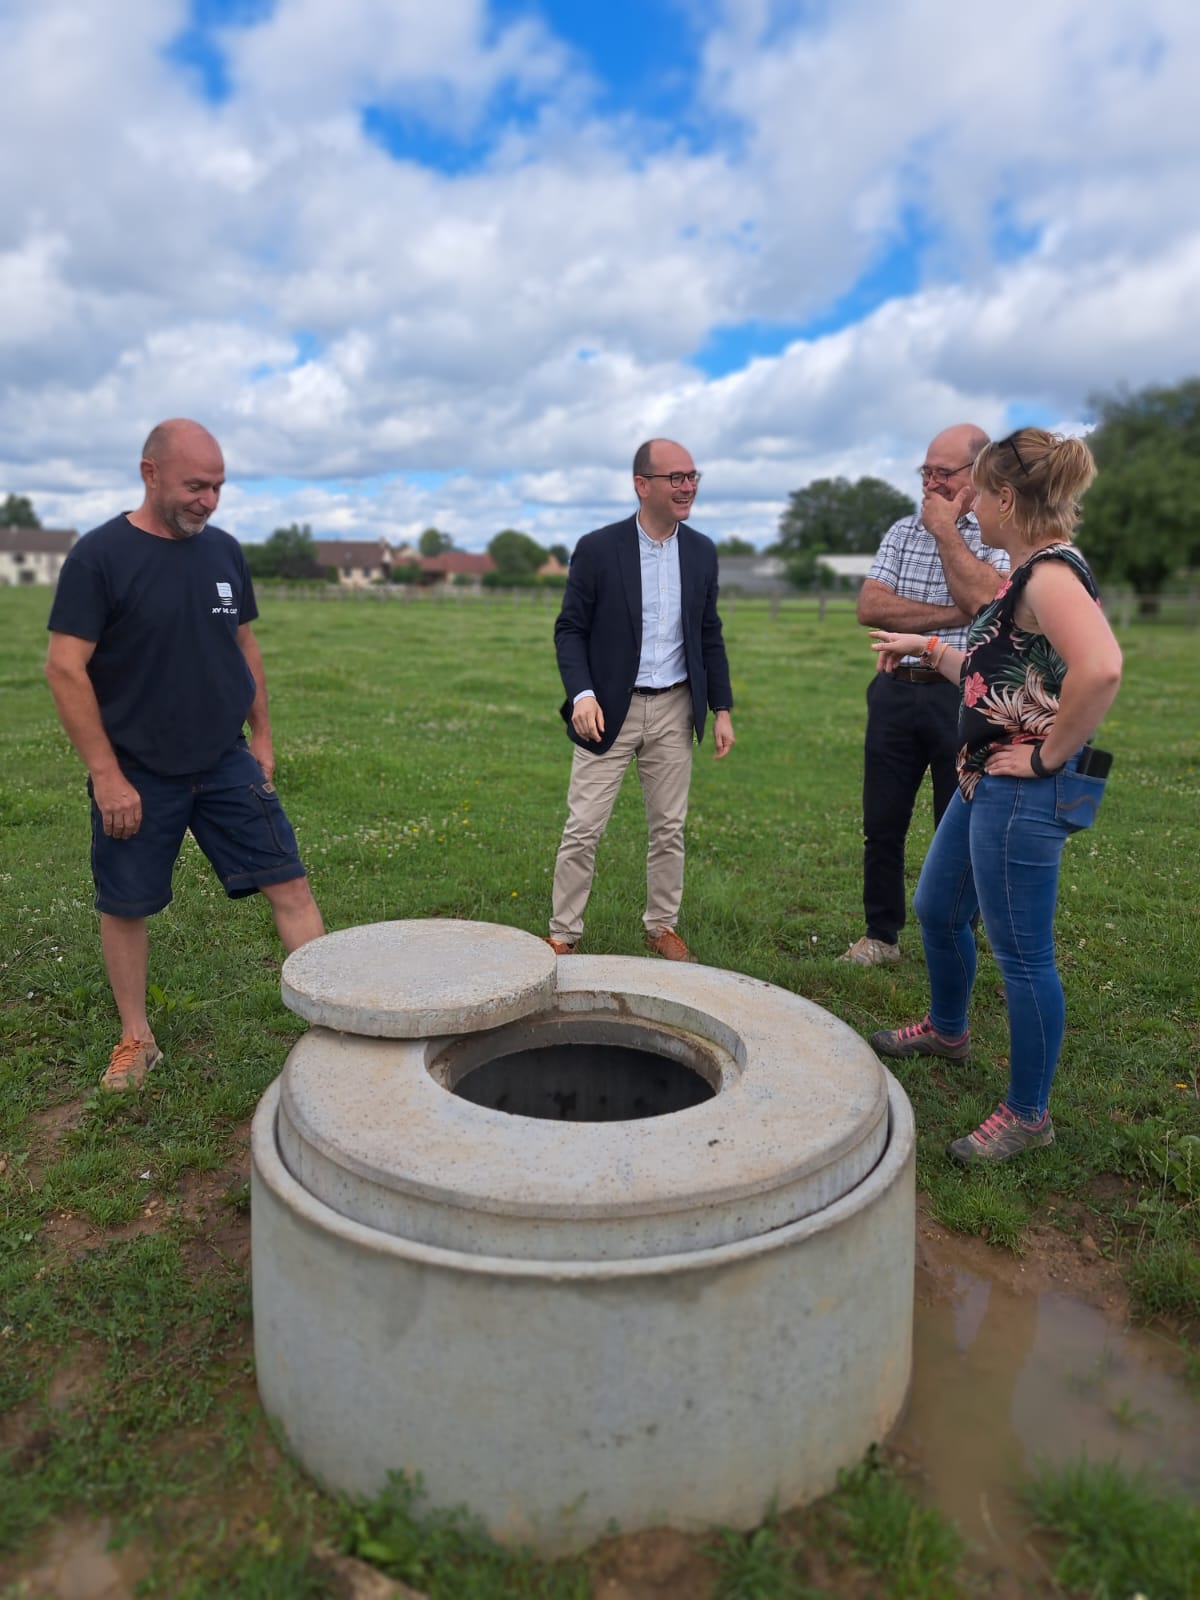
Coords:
170,677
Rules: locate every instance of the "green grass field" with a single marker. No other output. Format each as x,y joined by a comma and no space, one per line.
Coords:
423,762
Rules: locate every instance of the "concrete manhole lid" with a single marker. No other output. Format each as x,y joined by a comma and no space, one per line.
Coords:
419,978
372,1128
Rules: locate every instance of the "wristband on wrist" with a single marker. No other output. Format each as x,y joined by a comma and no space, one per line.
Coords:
1039,767
927,654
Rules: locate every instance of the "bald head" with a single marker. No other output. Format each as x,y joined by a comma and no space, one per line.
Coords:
177,433
964,441
184,472
645,456
949,459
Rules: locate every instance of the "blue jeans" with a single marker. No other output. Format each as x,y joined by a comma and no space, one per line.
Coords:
1000,854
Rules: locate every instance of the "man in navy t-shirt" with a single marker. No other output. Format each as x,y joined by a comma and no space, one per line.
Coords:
155,672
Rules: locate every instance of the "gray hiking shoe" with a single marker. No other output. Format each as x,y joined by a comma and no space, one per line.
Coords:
919,1039
868,952
1000,1136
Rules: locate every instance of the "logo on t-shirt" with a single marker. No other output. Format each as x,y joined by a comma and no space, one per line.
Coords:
225,595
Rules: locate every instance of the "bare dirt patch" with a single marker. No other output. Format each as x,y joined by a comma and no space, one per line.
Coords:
651,1566
50,1125
1050,1260
76,1564
215,1203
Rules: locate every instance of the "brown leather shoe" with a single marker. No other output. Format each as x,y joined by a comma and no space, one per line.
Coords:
667,943
563,947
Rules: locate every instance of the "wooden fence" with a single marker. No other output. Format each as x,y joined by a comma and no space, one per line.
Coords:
792,601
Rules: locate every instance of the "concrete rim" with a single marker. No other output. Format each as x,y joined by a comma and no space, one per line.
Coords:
311,1213
800,1119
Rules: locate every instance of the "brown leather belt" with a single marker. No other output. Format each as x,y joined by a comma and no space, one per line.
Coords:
666,689
919,675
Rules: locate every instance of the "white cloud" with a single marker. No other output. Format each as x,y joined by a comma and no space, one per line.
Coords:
344,319
442,61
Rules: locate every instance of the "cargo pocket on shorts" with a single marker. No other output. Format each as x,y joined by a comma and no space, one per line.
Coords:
273,815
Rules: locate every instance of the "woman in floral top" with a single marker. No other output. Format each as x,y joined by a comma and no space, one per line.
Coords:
1039,673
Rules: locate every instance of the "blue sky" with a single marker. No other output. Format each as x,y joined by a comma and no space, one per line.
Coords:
641,56
449,265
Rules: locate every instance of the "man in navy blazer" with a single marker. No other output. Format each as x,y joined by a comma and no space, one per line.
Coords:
642,659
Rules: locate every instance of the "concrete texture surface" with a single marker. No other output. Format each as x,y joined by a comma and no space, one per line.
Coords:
676,1319
406,980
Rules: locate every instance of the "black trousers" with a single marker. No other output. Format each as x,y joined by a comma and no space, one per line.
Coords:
912,728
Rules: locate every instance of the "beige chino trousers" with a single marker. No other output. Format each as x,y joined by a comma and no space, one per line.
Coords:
659,735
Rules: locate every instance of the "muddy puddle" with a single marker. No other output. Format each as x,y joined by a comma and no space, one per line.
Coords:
1004,1379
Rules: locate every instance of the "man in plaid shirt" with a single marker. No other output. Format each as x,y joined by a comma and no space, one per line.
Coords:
931,574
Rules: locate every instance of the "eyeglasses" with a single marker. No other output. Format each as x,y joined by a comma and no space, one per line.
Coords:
677,479
941,474
1011,442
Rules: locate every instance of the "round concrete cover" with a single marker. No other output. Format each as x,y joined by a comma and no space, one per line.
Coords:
419,979
799,1120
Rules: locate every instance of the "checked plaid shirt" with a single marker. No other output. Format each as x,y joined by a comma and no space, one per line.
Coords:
907,561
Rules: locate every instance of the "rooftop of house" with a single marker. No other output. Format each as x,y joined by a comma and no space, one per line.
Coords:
37,541
452,562
352,552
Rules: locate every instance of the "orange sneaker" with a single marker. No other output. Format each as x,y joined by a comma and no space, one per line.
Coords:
129,1063
667,943
563,947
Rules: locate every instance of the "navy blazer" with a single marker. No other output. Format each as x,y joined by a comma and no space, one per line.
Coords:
598,635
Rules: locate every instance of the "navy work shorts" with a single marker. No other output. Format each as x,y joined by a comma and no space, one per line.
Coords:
234,814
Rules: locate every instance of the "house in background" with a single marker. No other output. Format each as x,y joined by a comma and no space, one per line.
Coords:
33,555
767,575
757,574
359,562
456,565
849,570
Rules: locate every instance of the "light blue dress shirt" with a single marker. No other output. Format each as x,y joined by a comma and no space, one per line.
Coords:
662,661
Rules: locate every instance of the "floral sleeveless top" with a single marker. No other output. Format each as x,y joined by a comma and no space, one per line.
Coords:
1010,680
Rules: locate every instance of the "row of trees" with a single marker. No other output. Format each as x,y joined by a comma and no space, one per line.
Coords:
514,553
291,552
1141,518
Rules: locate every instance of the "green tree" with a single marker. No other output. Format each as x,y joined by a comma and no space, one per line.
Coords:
735,547
832,516
17,512
1141,517
560,553
516,555
433,542
288,553
406,572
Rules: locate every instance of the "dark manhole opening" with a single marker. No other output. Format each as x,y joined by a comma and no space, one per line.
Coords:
580,1082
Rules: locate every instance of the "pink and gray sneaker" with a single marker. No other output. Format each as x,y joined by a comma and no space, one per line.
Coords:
920,1039
1000,1136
